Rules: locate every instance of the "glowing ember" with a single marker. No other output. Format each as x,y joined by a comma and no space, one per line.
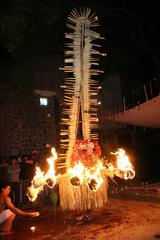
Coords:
40,178
124,168
33,228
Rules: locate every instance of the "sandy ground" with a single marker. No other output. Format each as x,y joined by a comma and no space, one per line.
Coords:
121,219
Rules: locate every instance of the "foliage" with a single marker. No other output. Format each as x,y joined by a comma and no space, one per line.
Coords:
33,29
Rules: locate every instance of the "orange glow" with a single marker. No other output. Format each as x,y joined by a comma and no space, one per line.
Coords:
40,179
33,228
93,176
77,171
124,168
90,176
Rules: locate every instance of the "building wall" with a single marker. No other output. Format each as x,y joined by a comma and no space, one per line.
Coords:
24,124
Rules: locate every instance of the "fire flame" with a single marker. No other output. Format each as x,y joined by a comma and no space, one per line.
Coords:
90,176
94,177
124,168
78,171
40,179
50,175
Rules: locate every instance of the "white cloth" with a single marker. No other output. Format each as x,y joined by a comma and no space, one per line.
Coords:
4,215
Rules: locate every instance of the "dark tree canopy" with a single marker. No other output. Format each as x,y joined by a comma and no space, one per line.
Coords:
33,29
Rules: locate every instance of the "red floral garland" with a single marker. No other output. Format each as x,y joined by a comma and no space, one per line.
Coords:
88,153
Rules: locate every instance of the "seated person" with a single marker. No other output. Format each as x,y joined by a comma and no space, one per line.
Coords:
8,211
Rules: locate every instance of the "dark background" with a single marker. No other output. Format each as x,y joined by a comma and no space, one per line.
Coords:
30,30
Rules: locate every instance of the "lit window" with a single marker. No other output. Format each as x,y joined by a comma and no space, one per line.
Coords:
43,101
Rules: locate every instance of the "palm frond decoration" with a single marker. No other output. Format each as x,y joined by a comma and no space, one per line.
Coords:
81,89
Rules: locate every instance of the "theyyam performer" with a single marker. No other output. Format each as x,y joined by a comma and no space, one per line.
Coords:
84,182
84,185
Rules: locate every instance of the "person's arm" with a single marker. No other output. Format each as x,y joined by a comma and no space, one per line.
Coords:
16,210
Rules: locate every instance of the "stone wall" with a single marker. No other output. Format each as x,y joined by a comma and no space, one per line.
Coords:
24,124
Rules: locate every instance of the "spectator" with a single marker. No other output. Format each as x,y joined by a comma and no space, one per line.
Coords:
3,169
27,168
13,171
7,215
35,158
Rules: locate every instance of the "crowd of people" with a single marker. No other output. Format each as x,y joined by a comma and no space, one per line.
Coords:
17,171
15,174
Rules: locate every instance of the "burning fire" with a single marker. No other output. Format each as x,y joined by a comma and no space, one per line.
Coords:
77,174
90,176
50,175
94,177
41,178
124,168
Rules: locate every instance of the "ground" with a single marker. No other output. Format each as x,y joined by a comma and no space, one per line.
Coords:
120,219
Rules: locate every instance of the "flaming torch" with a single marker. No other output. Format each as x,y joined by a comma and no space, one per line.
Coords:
90,176
76,174
36,185
50,175
93,176
40,178
124,167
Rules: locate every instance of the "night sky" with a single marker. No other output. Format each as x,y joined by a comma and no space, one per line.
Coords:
33,29
30,30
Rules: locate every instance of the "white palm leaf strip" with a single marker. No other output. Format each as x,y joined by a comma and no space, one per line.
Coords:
89,119
85,96
80,89
75,107
73,102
